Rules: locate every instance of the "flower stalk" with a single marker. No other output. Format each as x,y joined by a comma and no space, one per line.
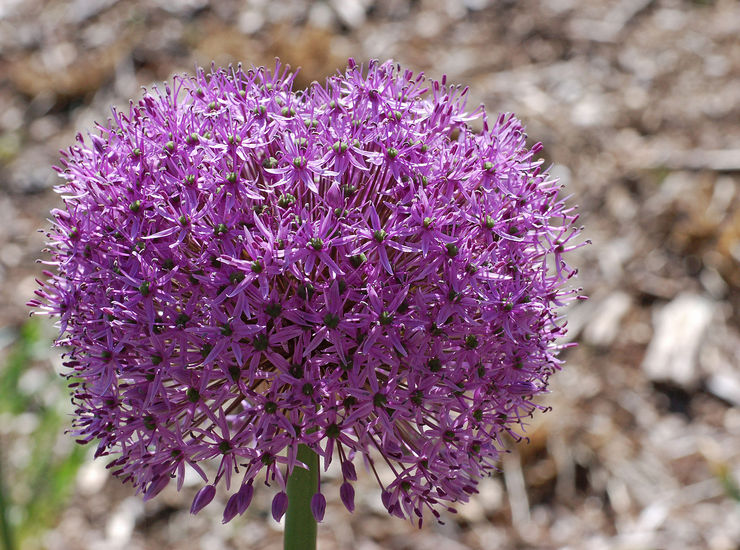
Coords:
300,525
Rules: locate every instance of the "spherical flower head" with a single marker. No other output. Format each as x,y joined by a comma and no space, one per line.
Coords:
241,268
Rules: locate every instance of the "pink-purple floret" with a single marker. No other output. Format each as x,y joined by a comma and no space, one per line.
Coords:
362,267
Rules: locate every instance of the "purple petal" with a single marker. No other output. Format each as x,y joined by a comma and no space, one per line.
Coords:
244,496
374,219
334,195
279,505
387,499
156,486
384,260
348,471
318,506
523,388
203,498
347,494
98,143
232,508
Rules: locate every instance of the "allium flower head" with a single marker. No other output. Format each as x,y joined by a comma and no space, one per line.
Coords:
241,268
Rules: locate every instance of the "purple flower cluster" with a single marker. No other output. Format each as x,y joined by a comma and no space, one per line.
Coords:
241,268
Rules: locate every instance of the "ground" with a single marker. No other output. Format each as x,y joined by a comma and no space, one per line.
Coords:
637,104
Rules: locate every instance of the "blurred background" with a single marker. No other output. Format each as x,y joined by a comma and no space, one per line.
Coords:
637,103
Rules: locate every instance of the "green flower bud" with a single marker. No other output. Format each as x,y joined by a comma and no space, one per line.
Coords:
286,200
274,309
358,259
316,243
331,321
260,342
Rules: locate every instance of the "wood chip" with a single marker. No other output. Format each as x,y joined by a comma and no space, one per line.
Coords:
678,333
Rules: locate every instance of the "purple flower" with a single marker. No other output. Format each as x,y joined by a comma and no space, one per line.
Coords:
203,498
238,502
318,506
279,505
347,494
240,269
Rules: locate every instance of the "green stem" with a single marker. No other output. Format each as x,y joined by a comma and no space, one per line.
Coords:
6,533
300,525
